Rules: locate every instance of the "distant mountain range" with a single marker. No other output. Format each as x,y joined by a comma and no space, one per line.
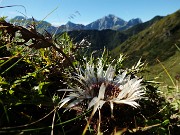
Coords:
112,22
108,22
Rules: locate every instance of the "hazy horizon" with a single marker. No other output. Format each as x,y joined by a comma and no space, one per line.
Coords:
58,12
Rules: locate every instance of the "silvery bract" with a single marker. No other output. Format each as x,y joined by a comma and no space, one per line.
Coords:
98,87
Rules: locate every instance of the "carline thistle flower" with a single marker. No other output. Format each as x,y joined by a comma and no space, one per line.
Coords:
98,87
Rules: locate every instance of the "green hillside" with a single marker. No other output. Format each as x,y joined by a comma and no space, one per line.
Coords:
158,73
108,38
99,39
142,26
157,42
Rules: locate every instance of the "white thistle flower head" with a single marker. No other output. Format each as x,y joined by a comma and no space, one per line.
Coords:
99,87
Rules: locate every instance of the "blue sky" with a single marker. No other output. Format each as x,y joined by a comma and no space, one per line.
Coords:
86,11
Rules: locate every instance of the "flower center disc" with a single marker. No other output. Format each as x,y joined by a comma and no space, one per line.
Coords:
112,91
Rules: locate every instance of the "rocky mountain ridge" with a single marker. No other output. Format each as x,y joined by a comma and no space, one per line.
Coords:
107,22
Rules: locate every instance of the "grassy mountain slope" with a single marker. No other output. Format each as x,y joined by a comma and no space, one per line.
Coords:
158,73
99,39
142,26
155,42
108,38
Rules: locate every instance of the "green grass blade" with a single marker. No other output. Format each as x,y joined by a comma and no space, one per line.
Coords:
3,46
177,47
9,130
5,111
167,73
48,14
13,64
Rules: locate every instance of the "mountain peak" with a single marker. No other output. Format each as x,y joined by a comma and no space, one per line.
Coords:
19,18
111,16
107,22
70,23
134,21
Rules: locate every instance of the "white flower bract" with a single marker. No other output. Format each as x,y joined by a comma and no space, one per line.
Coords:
98,87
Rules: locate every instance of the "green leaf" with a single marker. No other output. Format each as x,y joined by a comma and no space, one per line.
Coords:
11,92
18,103
41,87
166,122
